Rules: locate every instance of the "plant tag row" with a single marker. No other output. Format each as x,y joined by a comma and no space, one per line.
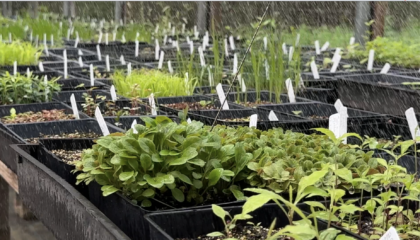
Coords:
335,64
253,120
242,82
412,123
133,126
338,122
386,68
370,60
391,234
272,116
235,63
202,59
314,70
283,46
290,91
74,106
222,97
157,49
101,121
152,103
232,43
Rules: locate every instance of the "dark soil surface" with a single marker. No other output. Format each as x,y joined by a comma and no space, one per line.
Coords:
192,106
43,116
314,117
255,104
74,135
247,119
68,156
248,232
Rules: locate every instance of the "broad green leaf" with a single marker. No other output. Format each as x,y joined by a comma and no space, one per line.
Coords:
329,234
156,182
218,211
164,152
146,162
239,195
187,154
214,176
197,162
327,132
131,145
133,162
156,158
344,237
181,176
345,174
108,190
178,195
255,202
310,180
148,192
316,204
146,203
147,145
215,234
124,176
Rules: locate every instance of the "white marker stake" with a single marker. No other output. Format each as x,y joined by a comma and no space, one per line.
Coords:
122,60
232,43
45,45
165,38
100,38
129,69
189,120
46,87
283,46
272,116
74,106
297,40
412,123
386,68
28,73
171,70
267,69
80,62
391,234
183,28
253,120
106,38
41,66
242,82
76,42
222,97
98,51
370,60
152,104
123,38
317,50
132,126
265,43
113,93
136,51
157,49
202,59
101,121
235,63
325,46
108,67
314,70
92,77
290,91
114,36
226,47
335,64
52,40
65,63
291,54
352,40
336,54
338,123
211,81
186,81
162,55
14,68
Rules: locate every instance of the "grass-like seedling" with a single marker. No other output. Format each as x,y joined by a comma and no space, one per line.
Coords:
22,53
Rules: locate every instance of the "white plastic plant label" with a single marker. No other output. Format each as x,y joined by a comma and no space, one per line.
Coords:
336,54
171,70
76,42
317,50
108,67
101,122
152,104
65,63
211,81
272,116
52,40
283,46
165,39
122,60
114,36
46,87
291,54
156,28
98,52
297,40
183,28
202,59
133,126
106,38
314,70
100,37
265,43
136,50
74,106
123,40
226,47
189,120
232,43
41,66
338,123
267,69
290,91
242,82
186,81
335,64
129,69
92,77
338,105
28,73
235,63
412,123
196,33
325,46
45,45
162,56
113,93
191,47
253,120
386,68
157,49
391,234
352,40
222,97
80,62
370,60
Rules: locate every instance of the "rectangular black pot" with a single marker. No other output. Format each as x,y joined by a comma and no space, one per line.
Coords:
326,95
20,68
59,65
192,224
365,92
57,204
75,83
78,95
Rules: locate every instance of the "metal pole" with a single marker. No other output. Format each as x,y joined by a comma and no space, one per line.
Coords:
202,16
216,15
4,210
362,16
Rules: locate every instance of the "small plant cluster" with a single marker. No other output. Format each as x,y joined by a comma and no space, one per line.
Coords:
21,89
42,116
21,52
142,82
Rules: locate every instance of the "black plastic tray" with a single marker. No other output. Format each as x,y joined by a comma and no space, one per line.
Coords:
70,215
125,122
326,95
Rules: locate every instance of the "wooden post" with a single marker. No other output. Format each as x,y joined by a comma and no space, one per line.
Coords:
379,12
202,16
4,210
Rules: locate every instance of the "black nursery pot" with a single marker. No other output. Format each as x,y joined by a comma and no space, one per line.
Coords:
379,93
326,95
59,65
323,81
68,210
193,224
76,84
20,68
125,122
78,95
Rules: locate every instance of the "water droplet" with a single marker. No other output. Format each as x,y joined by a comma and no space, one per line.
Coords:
380,188
351,190
391,162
